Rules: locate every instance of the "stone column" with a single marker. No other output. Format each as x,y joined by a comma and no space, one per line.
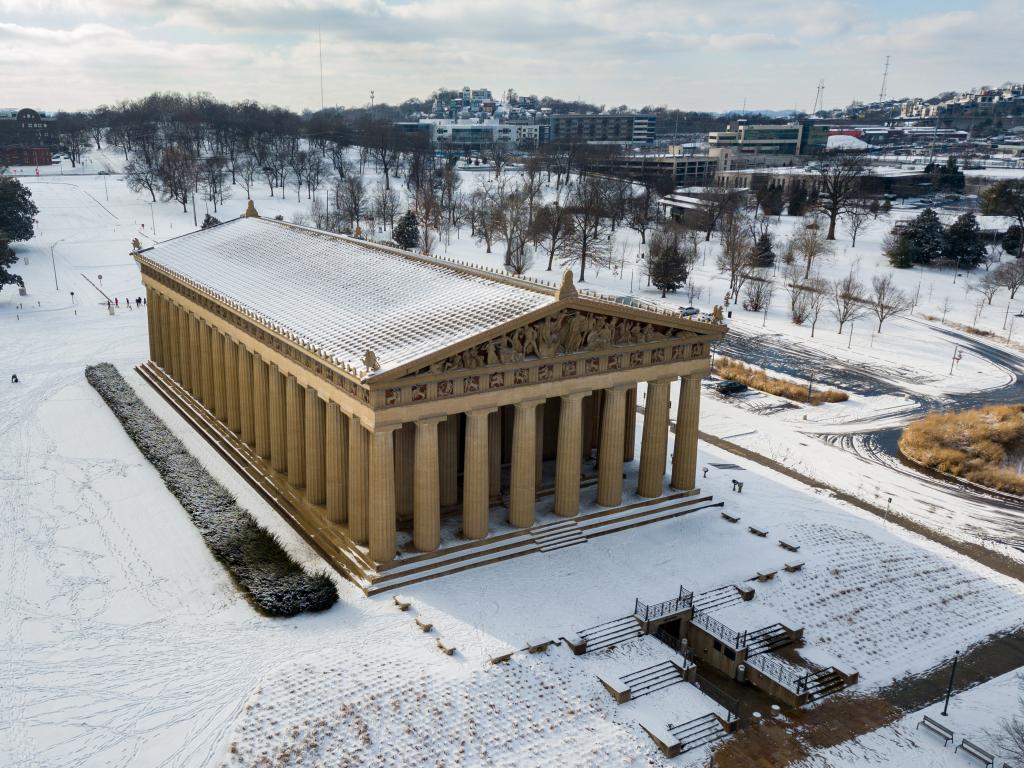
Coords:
448,435
220,403
494,452
523,493
475,471
246,418
295,412
654,444
234,414
358,450
426,493
316,467
539,436
260,406
630,439
404,459
184,348
151,324
195,350
381,493
278,419
684,458
336,463
587,438
172,326
569,457
166,350
206,360
609,454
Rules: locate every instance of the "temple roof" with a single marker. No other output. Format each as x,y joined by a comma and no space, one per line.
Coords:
340,296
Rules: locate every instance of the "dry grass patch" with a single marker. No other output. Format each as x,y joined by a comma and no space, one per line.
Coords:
984,445
755,378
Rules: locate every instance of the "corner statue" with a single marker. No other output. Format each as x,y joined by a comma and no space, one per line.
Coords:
717,315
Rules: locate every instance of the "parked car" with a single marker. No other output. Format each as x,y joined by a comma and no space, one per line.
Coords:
688,311
102,173
729,388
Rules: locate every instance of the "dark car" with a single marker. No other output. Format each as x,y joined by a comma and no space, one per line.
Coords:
730,388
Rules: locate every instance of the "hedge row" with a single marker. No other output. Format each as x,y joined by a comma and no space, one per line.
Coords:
277,585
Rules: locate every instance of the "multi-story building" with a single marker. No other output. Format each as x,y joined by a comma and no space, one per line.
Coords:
676,167
604,128
27,137
805,138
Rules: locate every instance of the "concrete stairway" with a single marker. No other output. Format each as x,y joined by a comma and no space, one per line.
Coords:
767,639
698,732
552,536
610,633
713,599
653,678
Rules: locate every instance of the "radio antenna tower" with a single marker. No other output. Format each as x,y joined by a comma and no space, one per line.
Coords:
819,100
885,80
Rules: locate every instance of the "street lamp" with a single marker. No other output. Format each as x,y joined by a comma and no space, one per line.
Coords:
949,689
54,263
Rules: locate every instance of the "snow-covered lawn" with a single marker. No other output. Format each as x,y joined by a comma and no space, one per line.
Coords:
125,643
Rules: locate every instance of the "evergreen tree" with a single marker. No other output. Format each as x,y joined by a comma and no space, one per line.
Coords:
17,211
8,259
209,221
1012,240
407,231
964,243
926,237
897,249
797,204
764,251
946,178
667,265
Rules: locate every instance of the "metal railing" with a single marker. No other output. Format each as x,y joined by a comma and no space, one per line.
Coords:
791,678
676,644
731,705
645,612
732,638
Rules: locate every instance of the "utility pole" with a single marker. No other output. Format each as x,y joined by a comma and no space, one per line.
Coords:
956,358
371,100
819,100
320,43
949,689
850,342
54,263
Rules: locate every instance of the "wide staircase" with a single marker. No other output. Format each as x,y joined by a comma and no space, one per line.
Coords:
714,599
698,732
823,682
554,536
610,633
653,678
767,639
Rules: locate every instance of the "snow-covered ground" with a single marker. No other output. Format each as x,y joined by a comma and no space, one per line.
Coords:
125,643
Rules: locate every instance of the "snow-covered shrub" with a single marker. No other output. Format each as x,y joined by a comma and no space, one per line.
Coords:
276,584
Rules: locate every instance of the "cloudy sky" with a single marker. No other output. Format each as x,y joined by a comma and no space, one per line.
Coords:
711,54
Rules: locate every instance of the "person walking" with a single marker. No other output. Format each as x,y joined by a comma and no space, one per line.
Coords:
116,302
14,378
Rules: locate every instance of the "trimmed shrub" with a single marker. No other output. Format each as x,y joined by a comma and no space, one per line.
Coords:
275,583
758,379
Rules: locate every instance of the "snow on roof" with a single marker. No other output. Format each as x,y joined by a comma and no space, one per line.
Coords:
339,296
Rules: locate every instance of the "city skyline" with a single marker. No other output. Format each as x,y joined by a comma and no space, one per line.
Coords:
77,55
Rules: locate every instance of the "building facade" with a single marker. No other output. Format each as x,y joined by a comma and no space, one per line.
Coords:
604,128
398,396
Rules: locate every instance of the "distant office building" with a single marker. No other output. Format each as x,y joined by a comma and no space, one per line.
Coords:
604,128
675,167
27,137
806,138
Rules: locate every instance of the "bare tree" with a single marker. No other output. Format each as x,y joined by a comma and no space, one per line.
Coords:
1009,739
350,195
810,244
946,306
641,212
817,298
839,180
799,305
758,293
886,299
736,255
591,238
856,215
716,203
139,175
385,204
552,229
247,168
988,286
213,176
1011,276
847,298
428,213
177,172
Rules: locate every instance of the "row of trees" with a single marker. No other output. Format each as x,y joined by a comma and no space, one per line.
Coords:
17,222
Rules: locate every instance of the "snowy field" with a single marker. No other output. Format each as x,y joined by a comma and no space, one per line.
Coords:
125,643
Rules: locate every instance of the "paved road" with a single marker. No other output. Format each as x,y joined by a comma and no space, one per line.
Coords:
994,516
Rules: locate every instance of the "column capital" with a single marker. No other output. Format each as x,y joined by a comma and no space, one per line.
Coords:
524,404
621,387
478,412
430,420
383,429
577,395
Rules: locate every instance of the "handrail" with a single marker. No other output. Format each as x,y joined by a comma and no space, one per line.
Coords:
785,675
731,637
678,604
732,706
676,644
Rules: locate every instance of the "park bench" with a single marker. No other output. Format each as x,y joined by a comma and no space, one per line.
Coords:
937,728
790,547
446,648
423,624
538,645
402,603
730,518
974,750
501,658
757,531
793,567
765,575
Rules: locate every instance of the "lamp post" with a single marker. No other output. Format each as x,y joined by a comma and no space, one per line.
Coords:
54,263
949,689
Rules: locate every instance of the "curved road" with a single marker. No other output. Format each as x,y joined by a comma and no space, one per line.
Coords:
994,516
